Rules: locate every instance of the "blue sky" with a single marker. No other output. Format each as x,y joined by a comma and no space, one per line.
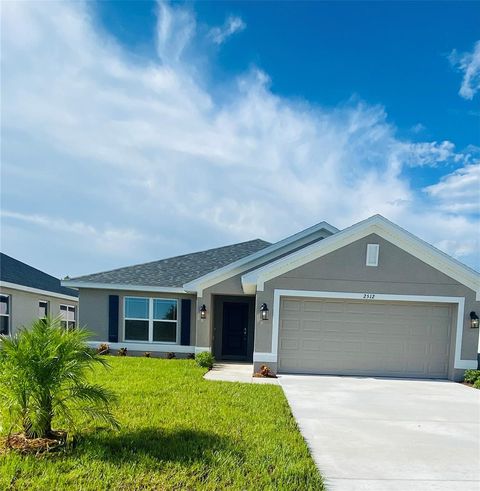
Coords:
137,130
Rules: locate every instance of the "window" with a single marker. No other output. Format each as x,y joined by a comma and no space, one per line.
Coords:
372,254
42,309
151,319
68,316
4,314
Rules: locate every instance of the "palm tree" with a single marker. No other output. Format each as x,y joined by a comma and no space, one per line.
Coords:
44,375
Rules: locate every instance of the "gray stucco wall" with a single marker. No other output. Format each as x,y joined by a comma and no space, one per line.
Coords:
24,307
397,272
94,310
233,286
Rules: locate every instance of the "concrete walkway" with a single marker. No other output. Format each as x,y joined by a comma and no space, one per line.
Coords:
386,434
237,372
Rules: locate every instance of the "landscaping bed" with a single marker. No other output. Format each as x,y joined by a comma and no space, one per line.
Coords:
178,431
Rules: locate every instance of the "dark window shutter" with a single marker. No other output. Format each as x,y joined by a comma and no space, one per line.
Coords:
113,318
185,319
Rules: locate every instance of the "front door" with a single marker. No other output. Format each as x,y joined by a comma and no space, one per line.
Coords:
235,330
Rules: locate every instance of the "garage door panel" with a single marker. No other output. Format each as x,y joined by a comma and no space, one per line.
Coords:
364,338
291,324
291,305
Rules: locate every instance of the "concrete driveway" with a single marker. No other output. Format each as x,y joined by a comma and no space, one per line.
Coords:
389,434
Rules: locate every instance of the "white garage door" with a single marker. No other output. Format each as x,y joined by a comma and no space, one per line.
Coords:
364,338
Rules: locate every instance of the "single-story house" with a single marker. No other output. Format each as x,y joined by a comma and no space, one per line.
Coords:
28,294
371,299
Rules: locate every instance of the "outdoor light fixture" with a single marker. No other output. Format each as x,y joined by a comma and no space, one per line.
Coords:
474,320
264,312
203,312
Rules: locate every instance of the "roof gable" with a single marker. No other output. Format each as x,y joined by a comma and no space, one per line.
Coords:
278,249
16,272
255,280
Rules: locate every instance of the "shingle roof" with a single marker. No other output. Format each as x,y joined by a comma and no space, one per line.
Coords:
14,271
176,271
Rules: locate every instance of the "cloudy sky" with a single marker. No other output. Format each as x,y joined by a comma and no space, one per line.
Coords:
133,131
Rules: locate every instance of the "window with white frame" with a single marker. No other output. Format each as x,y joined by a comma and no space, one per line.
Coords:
4,314
68,316
152,320
42,309
372,254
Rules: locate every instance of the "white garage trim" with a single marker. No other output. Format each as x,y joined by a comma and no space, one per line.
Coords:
370,297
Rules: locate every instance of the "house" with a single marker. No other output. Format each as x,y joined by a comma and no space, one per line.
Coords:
371,299
27,294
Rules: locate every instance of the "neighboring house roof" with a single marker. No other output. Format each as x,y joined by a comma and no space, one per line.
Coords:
14,272
255,280
172,272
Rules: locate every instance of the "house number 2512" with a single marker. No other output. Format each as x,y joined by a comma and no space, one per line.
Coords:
369,296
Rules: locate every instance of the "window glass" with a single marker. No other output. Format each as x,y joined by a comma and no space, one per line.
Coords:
164,331
3,325
136,330
68,316
42,309
136,308
4,305
71,314
164,309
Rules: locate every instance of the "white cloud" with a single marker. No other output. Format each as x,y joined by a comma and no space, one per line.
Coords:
459,191
431,154
469,65
231,26
124,161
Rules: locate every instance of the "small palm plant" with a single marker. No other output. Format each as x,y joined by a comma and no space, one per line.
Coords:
44,375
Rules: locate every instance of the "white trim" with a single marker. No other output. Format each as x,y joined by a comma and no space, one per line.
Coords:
237,267
121,286
201,349
267,357
146,346
372,250
255,280
14,286
459,301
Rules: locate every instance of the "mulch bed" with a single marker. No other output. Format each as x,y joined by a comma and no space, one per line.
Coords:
20,443
264,372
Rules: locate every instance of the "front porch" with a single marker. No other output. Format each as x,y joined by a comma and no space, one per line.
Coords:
226,371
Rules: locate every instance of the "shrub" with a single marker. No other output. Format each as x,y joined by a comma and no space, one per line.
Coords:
122,352
103,349
170,355
205,359
191,356
477,383
471,376
44,375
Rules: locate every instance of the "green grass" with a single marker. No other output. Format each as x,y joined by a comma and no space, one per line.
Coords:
178,431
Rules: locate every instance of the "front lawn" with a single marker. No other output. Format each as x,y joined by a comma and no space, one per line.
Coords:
178,431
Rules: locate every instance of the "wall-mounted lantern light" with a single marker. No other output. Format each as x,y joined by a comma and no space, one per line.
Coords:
474,322
264,312
203,312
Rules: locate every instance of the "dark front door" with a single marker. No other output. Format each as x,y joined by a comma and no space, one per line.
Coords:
235,330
